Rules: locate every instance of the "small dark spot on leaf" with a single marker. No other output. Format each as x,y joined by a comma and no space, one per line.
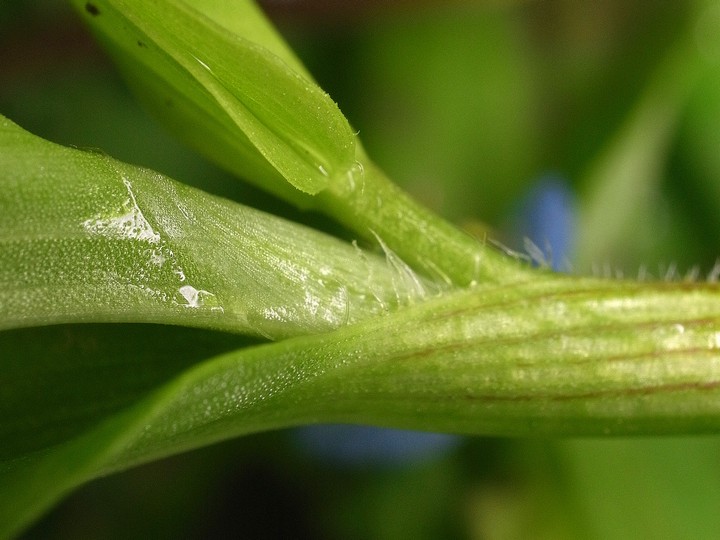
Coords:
92,9
142,45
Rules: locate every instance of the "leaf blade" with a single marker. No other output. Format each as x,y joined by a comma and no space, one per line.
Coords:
86,238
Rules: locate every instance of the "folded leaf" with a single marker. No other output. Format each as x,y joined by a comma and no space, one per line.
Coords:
234,98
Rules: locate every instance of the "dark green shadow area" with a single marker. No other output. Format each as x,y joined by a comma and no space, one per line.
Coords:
57,381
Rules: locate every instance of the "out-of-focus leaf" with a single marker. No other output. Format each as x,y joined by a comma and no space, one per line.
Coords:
58,381
625,180
672,486
697,159
84,238
552,356
453,116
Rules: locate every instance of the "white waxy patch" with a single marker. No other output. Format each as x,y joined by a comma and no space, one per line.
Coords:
128,224
312,303
277,313
195,298
157,257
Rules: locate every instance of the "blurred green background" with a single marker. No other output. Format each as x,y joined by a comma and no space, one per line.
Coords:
468,105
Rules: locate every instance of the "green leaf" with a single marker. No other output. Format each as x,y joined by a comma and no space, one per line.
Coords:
234,98
625,179
59,381
233,93
247,19
87,238
676,479
554,356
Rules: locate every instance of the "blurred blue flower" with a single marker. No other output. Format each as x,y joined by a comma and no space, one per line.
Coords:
351,445
546,222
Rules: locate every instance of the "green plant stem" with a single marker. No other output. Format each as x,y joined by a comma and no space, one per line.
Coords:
551,356
367,202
